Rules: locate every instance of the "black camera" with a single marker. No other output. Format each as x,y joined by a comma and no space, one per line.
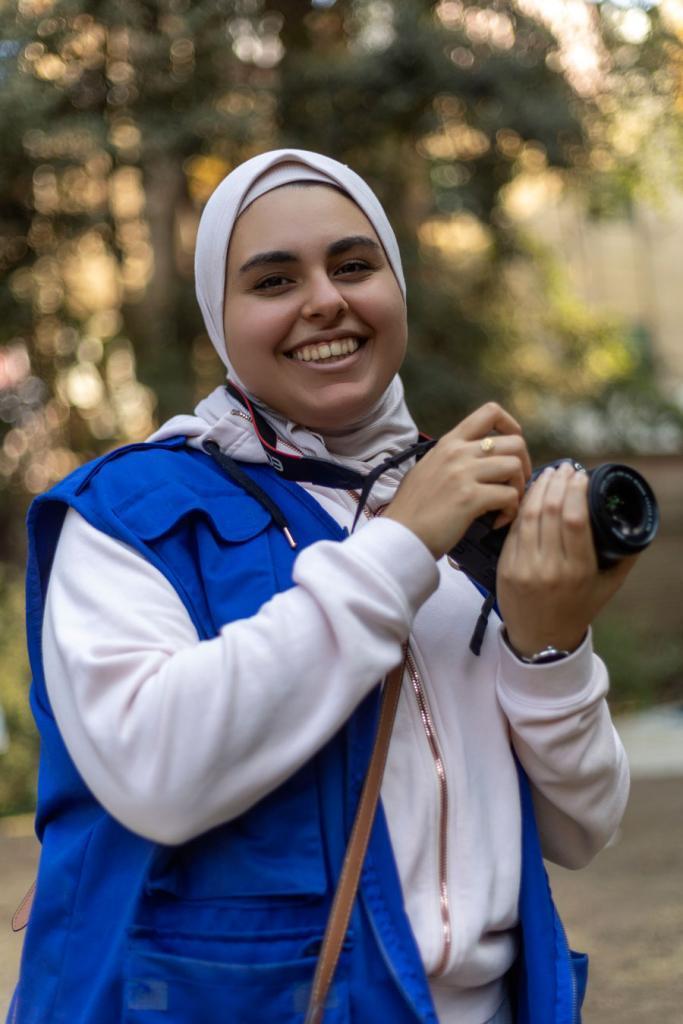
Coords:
624,517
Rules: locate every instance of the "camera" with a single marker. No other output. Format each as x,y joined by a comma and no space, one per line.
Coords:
623,511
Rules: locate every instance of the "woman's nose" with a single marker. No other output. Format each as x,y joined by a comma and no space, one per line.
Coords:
323,300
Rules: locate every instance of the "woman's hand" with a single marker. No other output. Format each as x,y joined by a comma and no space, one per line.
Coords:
459,480
548,583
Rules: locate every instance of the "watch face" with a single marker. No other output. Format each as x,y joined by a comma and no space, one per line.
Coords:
548,656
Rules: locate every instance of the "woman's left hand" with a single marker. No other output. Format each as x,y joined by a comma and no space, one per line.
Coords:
548,584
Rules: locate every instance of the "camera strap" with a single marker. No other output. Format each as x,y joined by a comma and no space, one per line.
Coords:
308,469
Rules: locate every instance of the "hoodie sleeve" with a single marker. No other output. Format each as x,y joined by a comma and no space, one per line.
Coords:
563,735
175,735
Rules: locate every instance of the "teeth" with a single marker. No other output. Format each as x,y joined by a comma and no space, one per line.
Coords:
317,353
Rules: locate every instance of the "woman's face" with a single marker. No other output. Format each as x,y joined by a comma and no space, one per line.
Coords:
314,318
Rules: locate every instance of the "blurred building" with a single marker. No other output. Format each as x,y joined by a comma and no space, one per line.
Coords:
630,265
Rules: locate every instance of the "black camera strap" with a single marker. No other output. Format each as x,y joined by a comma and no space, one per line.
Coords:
308,469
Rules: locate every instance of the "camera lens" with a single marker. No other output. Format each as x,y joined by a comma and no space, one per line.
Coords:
623,511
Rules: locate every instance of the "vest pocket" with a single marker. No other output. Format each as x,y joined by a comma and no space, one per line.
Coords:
166,986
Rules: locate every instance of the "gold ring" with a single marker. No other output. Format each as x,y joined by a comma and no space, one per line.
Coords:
487,444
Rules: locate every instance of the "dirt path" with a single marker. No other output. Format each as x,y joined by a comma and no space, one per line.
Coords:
626,909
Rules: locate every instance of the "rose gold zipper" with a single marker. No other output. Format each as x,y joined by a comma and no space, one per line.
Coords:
439,768
430,733
428,724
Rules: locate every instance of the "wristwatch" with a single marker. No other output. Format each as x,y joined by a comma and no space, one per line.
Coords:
546,656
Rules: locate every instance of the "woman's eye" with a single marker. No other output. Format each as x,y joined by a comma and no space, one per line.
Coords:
354,267
270,282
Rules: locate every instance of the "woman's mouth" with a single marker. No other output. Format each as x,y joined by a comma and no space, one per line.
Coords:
327,351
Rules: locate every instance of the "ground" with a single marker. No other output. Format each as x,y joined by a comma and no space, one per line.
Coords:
625,909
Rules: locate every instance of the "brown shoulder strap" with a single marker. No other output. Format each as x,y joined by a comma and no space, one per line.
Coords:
23,911
347,886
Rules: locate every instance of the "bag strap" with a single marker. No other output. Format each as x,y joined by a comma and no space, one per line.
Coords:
23,911
345,895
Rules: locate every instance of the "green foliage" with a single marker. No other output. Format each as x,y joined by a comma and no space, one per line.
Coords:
119,118
18,763
645,667
441,106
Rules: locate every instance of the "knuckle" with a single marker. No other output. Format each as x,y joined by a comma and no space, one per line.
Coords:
457,475
574,521
524,582
453,446
531,513
468,492
507,575
548,577
493,408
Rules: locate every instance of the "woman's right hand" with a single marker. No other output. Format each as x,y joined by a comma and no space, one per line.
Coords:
458,480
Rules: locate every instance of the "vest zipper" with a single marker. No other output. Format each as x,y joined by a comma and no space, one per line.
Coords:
430,732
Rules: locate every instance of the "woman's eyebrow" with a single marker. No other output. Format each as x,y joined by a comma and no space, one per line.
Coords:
344,244
264,258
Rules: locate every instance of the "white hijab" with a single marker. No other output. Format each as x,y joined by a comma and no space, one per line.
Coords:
386,428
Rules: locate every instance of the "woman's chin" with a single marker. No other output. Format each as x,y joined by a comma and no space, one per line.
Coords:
339,417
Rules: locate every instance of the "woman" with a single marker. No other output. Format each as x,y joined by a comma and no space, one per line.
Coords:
206,692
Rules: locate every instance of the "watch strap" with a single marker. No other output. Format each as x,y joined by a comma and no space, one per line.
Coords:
546,656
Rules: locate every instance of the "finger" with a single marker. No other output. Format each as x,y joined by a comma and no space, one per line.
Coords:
527,523
501,469
551,539
505,444
496,496
577,539
486,419
523,539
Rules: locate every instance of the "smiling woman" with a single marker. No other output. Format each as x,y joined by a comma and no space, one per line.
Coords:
209,633
316,327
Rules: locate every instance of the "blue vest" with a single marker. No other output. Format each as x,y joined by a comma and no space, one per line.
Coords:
226,927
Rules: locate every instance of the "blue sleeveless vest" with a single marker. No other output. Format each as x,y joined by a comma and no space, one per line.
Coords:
227,927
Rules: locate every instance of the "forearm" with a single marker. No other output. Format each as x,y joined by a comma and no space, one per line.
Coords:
564,737
175,735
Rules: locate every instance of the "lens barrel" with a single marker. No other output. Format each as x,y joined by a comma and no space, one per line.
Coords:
624,515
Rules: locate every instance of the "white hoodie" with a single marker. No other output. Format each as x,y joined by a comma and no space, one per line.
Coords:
176,735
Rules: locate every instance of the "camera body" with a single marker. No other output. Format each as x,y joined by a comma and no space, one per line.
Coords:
623,511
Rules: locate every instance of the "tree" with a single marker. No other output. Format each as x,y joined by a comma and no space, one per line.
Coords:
119,118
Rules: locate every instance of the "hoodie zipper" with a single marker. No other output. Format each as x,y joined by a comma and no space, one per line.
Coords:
440,771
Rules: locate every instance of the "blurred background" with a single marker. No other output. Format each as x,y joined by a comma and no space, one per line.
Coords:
529,155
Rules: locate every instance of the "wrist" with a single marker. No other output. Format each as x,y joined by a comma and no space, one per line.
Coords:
545,651
408,522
